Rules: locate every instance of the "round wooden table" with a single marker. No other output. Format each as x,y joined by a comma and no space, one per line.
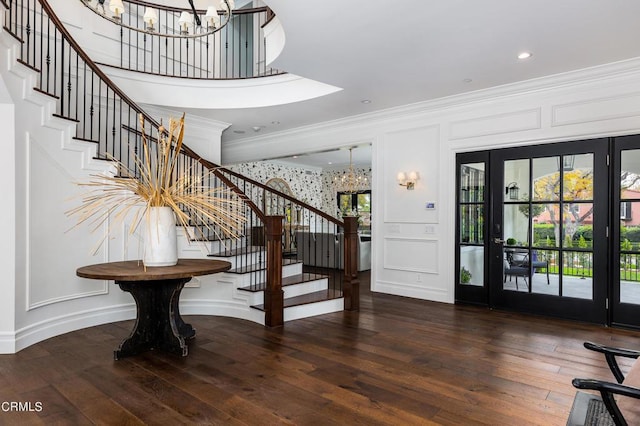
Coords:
157,293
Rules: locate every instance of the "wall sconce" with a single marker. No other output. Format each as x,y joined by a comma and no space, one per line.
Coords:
513,191
408,180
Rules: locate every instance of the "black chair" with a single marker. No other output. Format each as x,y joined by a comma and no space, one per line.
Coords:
514,267
537,263
520,259
621,410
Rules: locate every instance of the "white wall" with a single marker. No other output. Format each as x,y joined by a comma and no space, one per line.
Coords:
414,248
202,135
8,216
41,162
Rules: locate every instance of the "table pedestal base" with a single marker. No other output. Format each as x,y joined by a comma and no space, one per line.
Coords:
159,325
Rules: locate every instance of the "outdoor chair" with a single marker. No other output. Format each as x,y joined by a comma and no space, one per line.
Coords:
514,268
537,263
604,409
518,260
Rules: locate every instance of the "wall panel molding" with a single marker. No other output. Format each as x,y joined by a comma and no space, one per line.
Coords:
411,254
510,122
43,269
596,109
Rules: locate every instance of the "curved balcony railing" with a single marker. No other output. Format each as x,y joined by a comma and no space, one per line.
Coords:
236,51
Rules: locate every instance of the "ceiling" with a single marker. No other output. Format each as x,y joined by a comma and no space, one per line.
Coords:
403,52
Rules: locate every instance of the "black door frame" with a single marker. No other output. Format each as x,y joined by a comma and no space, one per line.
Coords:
621,314
472,294
594,310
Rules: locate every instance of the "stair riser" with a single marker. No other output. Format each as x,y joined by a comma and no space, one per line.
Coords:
220,246
249,278
312,309
257,298
305,288
242,259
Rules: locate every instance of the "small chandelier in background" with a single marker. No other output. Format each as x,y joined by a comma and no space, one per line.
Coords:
350,181
162,20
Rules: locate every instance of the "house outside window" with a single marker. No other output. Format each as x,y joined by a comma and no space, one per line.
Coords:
359,203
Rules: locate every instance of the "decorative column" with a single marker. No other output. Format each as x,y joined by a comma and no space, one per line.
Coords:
351,288
273,294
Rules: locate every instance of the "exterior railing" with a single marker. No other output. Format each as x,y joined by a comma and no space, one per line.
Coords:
104,115
236,51
579,263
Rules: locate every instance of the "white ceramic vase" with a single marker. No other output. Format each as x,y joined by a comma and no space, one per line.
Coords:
160,240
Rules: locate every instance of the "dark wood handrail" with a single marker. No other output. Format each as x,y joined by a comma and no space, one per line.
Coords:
260,224
283,195
189,152
189,77
188,9
81,53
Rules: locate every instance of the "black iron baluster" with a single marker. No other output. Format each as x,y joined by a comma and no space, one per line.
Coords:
69,85
77,89
48,57
55,55
61,76
41,64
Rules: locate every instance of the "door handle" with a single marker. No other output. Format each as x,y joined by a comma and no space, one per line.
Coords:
498,241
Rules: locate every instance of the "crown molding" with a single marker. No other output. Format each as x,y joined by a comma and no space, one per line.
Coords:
195,121
614,70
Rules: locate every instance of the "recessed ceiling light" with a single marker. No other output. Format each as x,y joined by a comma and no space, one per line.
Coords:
275,122
524,55
239,132
330,162
295,156
366,101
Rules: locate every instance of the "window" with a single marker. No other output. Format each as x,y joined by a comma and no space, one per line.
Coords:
360,203
625,210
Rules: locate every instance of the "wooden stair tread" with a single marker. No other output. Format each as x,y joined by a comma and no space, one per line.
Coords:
290,280
238,252
305,299
78,138
260,266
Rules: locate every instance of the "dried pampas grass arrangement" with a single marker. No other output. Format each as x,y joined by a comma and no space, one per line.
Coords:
160,182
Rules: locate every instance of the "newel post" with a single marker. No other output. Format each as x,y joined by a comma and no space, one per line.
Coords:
351,290
273,294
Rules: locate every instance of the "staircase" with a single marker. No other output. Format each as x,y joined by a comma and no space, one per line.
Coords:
93,118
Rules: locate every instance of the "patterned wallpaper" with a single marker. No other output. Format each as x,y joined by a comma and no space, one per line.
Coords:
313,186
329,200
306,184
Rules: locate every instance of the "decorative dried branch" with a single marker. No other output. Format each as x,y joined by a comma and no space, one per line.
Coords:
159,184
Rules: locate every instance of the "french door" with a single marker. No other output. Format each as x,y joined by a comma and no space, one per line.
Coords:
532,229
625,196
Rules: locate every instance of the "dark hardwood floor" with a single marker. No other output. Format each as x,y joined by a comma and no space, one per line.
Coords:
398,361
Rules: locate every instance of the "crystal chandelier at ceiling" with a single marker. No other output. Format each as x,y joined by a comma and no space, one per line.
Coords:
162,20
350,181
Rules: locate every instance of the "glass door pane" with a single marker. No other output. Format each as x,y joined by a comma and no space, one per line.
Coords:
628,241
471,217
625,257
544,213
542,245
471,228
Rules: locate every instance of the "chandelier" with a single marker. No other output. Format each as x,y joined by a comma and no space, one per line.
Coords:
162,20
350,181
